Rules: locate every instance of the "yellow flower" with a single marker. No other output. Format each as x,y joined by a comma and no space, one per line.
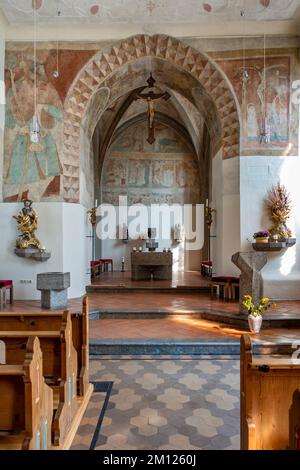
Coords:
248,297
265,301
273,305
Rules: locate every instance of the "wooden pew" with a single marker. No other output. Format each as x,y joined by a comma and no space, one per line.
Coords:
270,398
49,321
26,403
59,368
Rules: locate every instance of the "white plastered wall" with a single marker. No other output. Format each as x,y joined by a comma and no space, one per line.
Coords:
225,231
281,276
2,99
63,230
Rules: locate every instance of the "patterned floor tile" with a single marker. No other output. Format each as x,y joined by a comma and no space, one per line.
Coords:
164,403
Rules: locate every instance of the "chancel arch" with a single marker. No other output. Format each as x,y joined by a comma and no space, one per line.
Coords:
212,93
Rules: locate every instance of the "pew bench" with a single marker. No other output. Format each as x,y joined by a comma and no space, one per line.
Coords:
26,402
59,369
47,321
270,397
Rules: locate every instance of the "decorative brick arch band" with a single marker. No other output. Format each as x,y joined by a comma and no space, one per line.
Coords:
103,64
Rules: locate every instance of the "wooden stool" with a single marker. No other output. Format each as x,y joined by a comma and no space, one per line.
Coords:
235,288
206,268
108,262
4,287
2,297
96,268
223,287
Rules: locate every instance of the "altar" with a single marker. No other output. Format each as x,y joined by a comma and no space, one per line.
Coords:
147,264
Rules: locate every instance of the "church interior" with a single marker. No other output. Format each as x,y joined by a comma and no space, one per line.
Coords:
149,225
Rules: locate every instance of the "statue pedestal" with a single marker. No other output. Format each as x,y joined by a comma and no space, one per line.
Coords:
54,289
250,265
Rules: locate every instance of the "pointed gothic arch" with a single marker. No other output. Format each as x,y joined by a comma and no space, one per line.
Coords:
105,63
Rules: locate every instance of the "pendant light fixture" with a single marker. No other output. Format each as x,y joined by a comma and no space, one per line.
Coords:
35,130
56,71
245,73
265,134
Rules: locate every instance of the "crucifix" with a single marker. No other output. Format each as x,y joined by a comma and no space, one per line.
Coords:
150,97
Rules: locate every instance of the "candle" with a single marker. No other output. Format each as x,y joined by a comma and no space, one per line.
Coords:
206,203
96,203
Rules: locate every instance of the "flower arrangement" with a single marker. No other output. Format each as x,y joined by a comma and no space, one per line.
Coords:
257,310
262,234
279,205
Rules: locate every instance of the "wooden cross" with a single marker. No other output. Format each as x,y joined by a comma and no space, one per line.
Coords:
151,97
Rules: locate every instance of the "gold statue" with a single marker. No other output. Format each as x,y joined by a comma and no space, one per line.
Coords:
27,223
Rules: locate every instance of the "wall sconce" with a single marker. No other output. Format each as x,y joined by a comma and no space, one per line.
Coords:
179,233
123,233
209,215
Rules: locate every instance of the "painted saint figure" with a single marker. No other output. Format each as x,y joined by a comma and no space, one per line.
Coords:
31,163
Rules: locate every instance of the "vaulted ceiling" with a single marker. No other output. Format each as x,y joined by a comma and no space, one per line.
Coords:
146,11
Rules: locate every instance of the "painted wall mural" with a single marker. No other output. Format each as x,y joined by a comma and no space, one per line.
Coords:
252,94
165,174
34,170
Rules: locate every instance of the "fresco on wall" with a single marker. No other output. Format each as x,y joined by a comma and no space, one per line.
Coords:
165,174
251,93
34,169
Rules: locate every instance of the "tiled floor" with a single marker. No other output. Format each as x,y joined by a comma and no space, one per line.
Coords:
165,404
179,328
164,301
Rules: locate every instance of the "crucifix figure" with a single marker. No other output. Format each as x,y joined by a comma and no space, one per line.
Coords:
150,97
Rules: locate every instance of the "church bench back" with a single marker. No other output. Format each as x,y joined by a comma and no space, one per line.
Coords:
60,368
49,321
26,405
270,399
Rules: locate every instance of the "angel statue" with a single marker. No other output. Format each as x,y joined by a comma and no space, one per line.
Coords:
27,223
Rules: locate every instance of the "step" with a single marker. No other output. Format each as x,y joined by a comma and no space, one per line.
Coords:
163,348
234,320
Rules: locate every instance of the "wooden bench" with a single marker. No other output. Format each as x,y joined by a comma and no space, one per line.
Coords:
270,397
26,403
59,367
49,321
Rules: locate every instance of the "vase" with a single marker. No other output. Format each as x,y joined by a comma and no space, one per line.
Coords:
255,323
262,240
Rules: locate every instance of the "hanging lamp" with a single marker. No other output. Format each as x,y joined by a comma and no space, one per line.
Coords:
56,71
265,134
245,73
35,129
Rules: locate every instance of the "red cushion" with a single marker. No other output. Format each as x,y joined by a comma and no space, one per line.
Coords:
226,279
95,263
6,283
221,279
107,260
207,263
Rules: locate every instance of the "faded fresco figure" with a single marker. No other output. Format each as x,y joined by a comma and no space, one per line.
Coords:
31,162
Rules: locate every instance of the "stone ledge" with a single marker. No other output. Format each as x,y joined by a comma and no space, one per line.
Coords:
33,253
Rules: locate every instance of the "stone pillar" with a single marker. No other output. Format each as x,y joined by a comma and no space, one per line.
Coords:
54,289
250,265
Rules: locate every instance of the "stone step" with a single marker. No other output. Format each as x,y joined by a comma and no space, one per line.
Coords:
163,348
235,320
